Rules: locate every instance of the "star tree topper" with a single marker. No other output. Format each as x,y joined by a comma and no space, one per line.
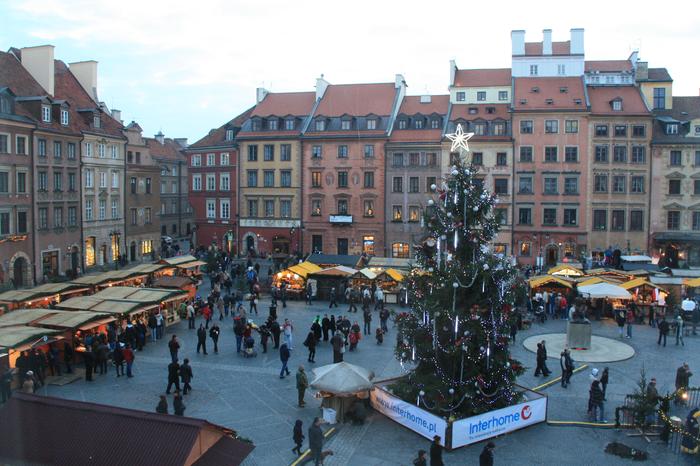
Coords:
459,139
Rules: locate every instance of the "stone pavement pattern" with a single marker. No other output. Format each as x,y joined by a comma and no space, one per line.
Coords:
248,396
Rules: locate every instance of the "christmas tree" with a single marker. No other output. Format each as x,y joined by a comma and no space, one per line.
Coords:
455,337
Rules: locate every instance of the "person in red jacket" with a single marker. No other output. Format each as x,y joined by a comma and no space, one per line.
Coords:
563,305
128,359
206,312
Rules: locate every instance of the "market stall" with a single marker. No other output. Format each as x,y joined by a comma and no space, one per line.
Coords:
363,278
644,295
295,278
390,280
23,337
40,296
332,277
379,264
24,316
186,284
609,275
550,284
184,266
565,270
123,311
603,293
150,299
341,385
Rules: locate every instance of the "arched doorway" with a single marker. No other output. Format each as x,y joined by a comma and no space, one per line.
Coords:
19,269
132,251
551,255
74,258
250,243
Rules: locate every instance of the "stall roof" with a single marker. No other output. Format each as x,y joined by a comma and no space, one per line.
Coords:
689,273
637,267
178,260
172,282
37,292
689,282
14,337
544,279
337,271
331,260
604,290
636,258
73,319
189,265
149,268
637,282
591,281
304,269
394,274
24,316
566,270
390,262
663,280
367,273
142,295
79,303
117,306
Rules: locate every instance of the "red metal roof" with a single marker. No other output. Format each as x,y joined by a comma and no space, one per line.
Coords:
416,135
169,150
483,78
217,136
412,105
462,111
558,48
602,96
536,91
608,66
357,100
285,103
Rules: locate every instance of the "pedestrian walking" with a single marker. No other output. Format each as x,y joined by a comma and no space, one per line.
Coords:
28,386
238,329
102,355
201,339
309,293
436,452
302,385
683,375
316,441
541,364
152,327
604,378
68,354
332,326
680,329
422,459
287,329
486,456
663,330
310,343
332,298
206,313
316,328
652,398
298,436
379,335
160,323
129,360
118,359
162,407
620,319
629,318
338,347
54,363
265,334
173,376
325,326
284,357
276,332
214,332
379,297
367,318
6,384
190,316
350,297
186,376
567,367
89,359
174,347
597,402
178,405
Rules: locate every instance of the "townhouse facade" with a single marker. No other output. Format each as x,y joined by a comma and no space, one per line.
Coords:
270,173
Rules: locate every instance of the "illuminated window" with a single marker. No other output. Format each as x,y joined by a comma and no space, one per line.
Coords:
525,249
413,213
146,246
397,213
368,244
90,251
115,248
399,250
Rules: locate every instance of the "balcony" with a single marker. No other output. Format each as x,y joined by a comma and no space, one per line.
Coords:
340,219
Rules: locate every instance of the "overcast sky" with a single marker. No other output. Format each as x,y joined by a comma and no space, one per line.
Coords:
186,67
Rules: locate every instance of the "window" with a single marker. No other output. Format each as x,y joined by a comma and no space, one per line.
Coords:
369,180
5,183
397,184
550,185
620,131
286,178
414,159
147,216
255,124
673,220
96,121
372,124
269,178
397,160
272,124
115,180
103,180
501,159
601,130
672,128
461,96
561,70
479,128
57,181
285,208
620,154
196,160
696,221
211,208
399,250
413,213
268,153
252,153
525,216
342,207
418,123
435,123
289,124
196,182
600,219
429,181
315,207
45,113
526,154
570,217
343,179
551,126
133,185
413,184
525,126
211,160
549,216
533,70
102,212
639,131
525,185
89,183
617,220
501,186
570,185
477,158
88,209
368,208
501,216
396,213
659,98
696,187
133,215
601,154
115,153
571,126
316,152
618,184
149,185
225,208
697,158
525,249
225,158
674,187
571,154
229,135
43,219
252,207
22,182
481,95
41,147
101,150
600,183
342,151
637,184
57,149
71,150
638,154
72,216
550,154
345,124
430,159
252,178
43,181
224,182
316,179
402,123
675,158
115,209
285,152
502,95
369,150
20,145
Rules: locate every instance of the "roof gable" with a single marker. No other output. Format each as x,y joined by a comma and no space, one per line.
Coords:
357,100
483,77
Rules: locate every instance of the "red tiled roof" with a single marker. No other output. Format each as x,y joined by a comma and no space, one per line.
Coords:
285,103
412,105
357,100
169,150
632,103
607,66
217,137
549,88
558,48
481,78
462,111
416,135
347,134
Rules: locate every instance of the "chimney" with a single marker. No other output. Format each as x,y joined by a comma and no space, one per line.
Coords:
517,39
182,142
642,71
86,74
321,86
400,82
260,94
576,41
546,42
453,72
117,115
160,137
38,61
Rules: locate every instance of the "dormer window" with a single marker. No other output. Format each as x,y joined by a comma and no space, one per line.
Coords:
549,101
272,124
96,121
535,90
320,125
473,110
64,117
229,135
418,123
479,129
255,125
490,110
46,114
617,105
577,101
345,125
563,90
372,124
523,101
289,124
5,106
672,128
435,123
402,124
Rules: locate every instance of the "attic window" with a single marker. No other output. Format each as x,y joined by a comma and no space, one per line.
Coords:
272,124
255,125
320,125
418,123
402,124
289,124
490,110
64,117
372,124
549,101
523,101
4,104
577,101
473,110
563,90
229,135
535,90
96,121
617,105
345,124
45,113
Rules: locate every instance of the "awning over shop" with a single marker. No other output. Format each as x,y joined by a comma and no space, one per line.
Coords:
331,260
148,268
141,295
304,269
14,337
692,282
390,262
366,273
74,320
639,282
24,316
536,282
636,258
394,274
565,270
339,271
591,281
38,292
604,290
190,265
